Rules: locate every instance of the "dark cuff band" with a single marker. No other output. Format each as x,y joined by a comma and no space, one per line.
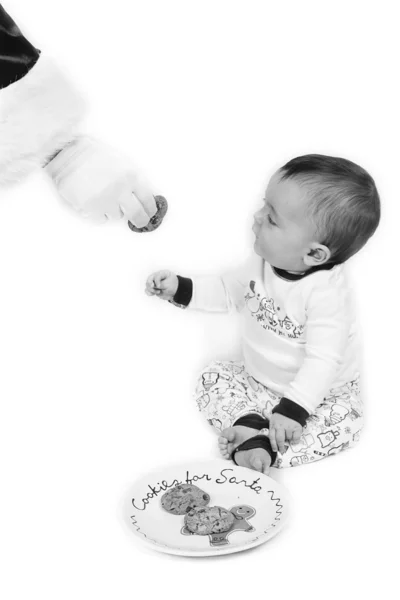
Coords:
290,409
258,441
184,292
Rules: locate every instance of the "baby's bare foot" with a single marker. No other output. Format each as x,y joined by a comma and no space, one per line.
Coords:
231,437
255,458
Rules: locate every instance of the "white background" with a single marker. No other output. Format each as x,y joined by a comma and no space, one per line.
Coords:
208,98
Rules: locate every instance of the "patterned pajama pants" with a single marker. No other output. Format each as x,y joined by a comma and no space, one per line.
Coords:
225,392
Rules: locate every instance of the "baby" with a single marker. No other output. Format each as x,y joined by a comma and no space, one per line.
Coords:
295,397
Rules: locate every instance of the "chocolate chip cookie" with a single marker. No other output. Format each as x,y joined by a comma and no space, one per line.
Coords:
156,220
209,519
182,498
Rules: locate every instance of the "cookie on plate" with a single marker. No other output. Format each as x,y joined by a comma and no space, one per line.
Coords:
182,498
209,519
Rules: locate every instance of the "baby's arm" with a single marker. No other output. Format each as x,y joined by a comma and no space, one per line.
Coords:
211,293
327,334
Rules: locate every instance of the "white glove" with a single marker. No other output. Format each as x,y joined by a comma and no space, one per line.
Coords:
100,184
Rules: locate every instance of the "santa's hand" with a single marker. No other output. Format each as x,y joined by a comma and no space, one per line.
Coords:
100,184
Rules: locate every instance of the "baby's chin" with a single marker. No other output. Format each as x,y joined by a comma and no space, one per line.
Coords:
260,252
256,247
277,264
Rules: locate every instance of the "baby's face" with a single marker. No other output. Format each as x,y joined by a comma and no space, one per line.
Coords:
282,228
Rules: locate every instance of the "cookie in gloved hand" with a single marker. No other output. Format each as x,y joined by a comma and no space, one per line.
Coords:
100,183
156,220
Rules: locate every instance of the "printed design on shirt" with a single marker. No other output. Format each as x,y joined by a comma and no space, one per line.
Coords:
224,394
355,414
339,448
256,386
305,442
327,437
209,379
268,407
336,416
296,461
265,312
343,403
203,401
346,392
231,369
234,408
229,407
217,423
338,413
318,453
260,389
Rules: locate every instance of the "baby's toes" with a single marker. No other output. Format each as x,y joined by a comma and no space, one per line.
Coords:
223,447
256,463
229,434
266,469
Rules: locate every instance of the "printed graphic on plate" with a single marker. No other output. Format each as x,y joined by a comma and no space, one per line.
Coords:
229,480
240,515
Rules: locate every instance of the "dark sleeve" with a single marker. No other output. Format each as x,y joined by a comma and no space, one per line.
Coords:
184,292
290,409
17,55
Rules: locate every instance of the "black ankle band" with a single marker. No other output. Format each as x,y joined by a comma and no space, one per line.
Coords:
254,420
258,441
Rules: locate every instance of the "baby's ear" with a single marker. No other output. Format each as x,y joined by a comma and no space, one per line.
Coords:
317,255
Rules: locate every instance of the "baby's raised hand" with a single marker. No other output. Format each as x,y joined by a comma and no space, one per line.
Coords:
283,429
163,284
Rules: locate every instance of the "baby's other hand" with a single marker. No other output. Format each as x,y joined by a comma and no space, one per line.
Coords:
283,429
163,284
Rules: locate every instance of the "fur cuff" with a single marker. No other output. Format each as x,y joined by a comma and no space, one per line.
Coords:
39,114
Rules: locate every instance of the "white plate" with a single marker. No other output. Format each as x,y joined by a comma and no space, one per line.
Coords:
259,504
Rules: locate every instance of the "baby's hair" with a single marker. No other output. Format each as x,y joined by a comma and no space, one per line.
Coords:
344,206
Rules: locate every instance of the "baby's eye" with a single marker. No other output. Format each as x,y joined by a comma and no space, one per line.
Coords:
270,220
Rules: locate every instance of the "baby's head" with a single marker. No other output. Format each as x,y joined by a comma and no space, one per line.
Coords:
318,210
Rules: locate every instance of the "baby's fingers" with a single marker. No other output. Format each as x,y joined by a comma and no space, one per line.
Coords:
151,288
160,277
272,439
296,435
150,280
152,292
280,440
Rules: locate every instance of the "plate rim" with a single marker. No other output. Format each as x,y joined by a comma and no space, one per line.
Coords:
208,552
